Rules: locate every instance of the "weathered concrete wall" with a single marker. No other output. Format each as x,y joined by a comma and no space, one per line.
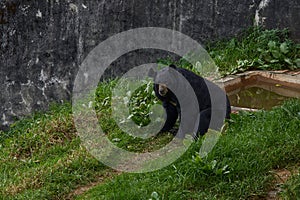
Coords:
44,41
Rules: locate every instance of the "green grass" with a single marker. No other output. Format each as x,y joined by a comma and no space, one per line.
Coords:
239,167
291,189
41,158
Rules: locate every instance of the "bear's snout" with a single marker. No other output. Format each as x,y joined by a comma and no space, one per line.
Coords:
162,89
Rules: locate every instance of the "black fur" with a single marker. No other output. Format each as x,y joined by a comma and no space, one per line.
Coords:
200,87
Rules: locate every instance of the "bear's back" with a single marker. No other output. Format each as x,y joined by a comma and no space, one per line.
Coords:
199,86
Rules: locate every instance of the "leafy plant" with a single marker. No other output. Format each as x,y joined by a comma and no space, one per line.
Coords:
256,48
140,102
202,166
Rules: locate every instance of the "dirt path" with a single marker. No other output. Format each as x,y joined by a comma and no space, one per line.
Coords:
99,180
281,176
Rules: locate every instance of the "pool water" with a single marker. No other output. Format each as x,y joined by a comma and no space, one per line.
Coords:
257,98
262,95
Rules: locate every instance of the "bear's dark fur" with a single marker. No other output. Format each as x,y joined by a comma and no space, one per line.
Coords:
200,86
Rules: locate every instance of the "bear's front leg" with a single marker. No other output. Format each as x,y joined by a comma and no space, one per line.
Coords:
171,116
205,116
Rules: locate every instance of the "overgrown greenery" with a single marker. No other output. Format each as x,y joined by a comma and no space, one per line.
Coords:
256,48
238,167
139,108
253,49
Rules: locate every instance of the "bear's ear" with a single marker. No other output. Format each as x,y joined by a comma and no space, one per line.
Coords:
173,66
152,73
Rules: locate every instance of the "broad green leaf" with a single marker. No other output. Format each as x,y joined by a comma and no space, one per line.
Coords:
272,44
284,47
274,61
276,54
287,60
297,61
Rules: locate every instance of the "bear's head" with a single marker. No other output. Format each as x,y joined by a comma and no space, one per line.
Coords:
164,78
162,89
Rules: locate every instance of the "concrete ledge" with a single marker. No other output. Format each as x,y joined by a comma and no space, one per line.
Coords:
290,78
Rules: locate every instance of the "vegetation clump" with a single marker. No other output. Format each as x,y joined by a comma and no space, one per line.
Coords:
256,49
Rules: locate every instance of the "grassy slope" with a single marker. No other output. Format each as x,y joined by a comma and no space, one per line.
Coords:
254,144
41,158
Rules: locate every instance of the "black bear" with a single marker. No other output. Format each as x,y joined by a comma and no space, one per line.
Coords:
210,101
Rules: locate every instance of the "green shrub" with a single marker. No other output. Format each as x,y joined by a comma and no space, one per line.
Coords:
256,48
